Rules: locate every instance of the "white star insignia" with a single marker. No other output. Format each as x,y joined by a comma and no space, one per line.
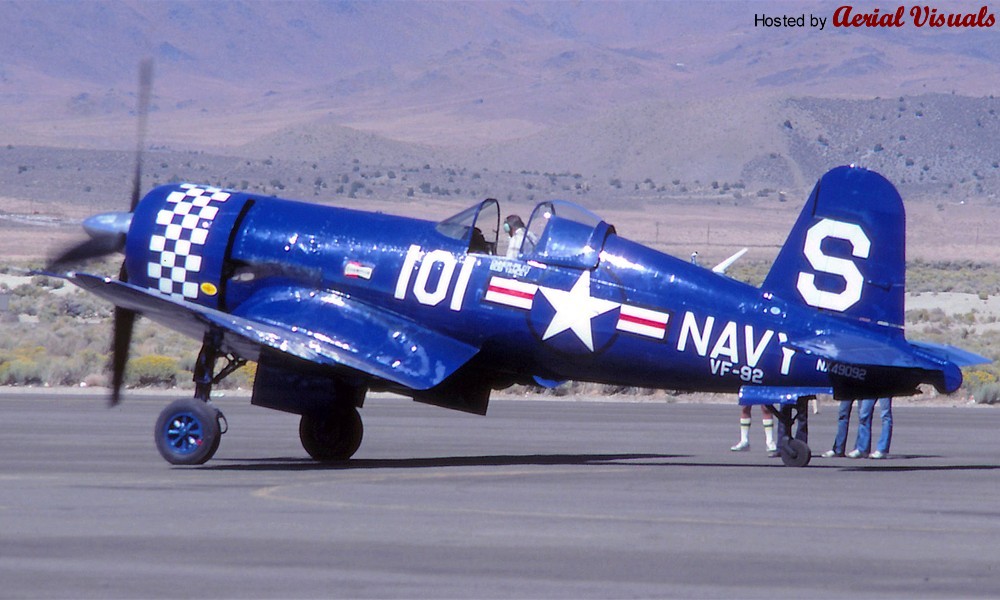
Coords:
575,309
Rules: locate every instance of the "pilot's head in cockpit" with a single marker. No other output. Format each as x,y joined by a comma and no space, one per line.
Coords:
514,227
512,224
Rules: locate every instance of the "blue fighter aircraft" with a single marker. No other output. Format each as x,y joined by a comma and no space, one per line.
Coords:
331,303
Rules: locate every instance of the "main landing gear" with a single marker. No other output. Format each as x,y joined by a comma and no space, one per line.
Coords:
189,430
332,435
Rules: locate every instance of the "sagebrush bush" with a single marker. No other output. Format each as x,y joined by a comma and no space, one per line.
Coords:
21,372
977,377
988,394
153,369
241,379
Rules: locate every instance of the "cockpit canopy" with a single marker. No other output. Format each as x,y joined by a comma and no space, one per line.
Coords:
478,226
558,233
565,234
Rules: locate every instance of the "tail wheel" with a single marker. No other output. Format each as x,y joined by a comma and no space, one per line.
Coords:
187,432
333,435
795,453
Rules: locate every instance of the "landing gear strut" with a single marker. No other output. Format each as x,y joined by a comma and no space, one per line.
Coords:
795,451
189,430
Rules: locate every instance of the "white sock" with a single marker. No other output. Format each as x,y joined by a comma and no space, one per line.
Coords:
769,431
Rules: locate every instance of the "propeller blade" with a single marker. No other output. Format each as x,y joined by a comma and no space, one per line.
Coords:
92,248
124,322
145,89
125,319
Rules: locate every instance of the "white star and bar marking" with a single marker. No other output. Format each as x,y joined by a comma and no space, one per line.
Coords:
511,292
643,321
576,308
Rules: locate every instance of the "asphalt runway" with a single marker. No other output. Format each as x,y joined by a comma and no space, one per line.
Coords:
555,499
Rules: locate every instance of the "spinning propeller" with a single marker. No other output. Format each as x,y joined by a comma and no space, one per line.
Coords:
107,235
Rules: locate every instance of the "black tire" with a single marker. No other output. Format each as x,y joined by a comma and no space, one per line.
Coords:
331,436
795,453
187,432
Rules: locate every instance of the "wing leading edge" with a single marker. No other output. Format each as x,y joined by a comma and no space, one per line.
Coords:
325,328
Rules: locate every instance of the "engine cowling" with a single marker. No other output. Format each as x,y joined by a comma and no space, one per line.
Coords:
179,238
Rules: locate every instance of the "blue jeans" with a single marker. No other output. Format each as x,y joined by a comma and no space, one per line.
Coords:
865,425
843,424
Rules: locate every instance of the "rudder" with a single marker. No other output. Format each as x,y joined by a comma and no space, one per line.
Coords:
846,254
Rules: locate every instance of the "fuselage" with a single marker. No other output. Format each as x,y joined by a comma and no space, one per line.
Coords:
333,302
639,317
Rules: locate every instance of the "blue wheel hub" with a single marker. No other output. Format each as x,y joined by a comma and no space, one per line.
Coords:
184,433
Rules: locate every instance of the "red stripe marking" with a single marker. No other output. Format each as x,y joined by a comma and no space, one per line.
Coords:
641,321
510,292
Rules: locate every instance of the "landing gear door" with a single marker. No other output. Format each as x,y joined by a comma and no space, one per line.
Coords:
564,234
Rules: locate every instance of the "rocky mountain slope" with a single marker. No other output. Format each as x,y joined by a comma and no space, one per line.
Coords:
643,93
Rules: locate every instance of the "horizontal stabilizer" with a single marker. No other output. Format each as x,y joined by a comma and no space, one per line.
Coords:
962,358
848,348
906,364
772,394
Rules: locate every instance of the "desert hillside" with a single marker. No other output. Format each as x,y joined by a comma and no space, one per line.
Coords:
667,108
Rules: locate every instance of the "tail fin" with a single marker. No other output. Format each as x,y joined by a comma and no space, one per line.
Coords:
847,252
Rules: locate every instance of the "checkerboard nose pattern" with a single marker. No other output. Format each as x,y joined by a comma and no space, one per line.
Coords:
178,240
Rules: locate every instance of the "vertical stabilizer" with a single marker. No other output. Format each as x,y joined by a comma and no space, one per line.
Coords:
847,252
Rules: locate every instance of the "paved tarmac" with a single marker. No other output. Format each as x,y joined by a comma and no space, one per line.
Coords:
536,500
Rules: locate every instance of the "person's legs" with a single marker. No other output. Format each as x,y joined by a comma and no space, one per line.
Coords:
885,438
863,445
767,420
843,426
744,443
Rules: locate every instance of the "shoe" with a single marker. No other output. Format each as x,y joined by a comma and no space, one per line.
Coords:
831,454
877,455
773,453
741,447
855,454
772,449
